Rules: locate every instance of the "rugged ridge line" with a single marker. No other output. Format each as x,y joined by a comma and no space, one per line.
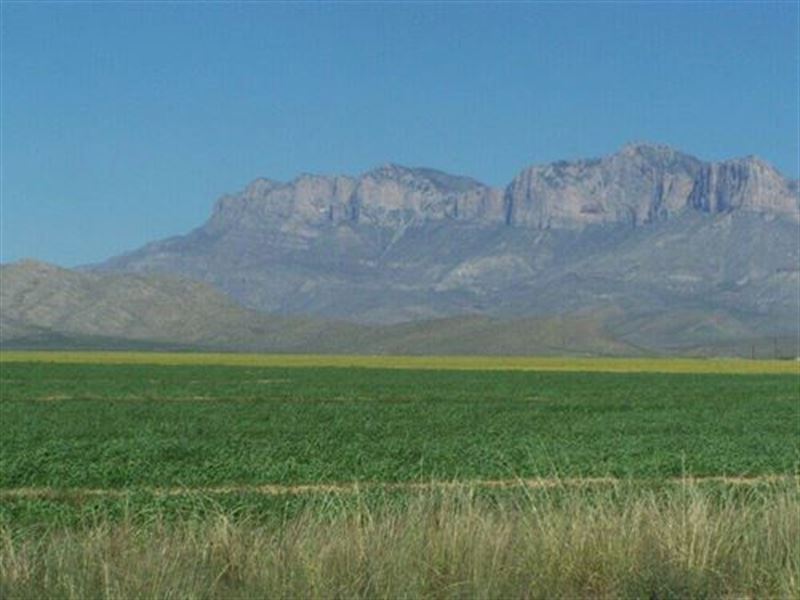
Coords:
640,184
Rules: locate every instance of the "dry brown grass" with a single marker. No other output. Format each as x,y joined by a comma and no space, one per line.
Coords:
679,541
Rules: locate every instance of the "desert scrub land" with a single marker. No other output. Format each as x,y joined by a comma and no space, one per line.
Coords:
203,480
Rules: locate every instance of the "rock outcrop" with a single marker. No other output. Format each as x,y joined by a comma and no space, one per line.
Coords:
639,185
389,197
642,184
747,184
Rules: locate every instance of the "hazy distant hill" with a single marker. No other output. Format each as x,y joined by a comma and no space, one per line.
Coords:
40,301
44,306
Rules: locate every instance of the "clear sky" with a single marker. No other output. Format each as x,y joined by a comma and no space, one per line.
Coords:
123,122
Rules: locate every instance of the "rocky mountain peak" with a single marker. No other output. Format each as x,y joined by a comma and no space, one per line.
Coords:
641,183
660,157
260,187
393,196
750,184
388,196
388,171
421,178
33,267
646,149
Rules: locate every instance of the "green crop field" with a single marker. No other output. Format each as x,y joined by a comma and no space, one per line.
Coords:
122,449
112,426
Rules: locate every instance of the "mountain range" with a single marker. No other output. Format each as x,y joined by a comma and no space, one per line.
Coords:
646,250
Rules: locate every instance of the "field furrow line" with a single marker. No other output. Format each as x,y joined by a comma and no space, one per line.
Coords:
272,489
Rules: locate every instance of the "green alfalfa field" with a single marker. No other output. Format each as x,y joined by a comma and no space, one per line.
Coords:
179,476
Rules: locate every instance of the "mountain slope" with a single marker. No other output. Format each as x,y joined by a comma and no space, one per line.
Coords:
645,231
46,306
43,306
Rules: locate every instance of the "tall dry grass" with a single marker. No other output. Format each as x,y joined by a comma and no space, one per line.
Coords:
685,541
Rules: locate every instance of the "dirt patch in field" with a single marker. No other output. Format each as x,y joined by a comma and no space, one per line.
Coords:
355,487
55,398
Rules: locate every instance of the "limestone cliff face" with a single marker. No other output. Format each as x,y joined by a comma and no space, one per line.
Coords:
309,199
393,195
390,196
639,185
642,184
747,184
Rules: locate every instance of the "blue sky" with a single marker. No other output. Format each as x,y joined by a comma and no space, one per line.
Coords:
123,122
